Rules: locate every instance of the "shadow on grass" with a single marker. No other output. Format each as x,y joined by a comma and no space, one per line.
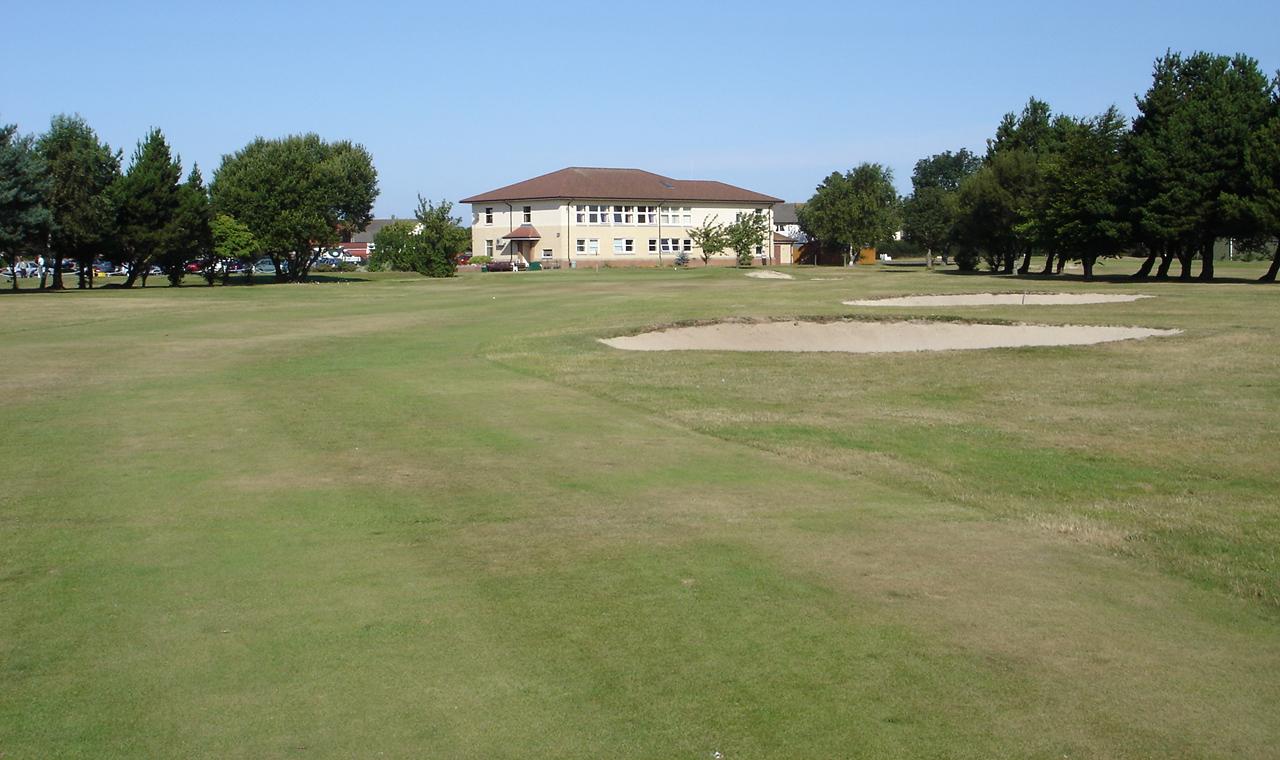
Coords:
265,280
1114,279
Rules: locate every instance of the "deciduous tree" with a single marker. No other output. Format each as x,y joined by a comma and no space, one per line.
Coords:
710,238
299,195
857,209
746,235
233,241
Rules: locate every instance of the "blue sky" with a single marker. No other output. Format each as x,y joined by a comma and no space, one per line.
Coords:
458,98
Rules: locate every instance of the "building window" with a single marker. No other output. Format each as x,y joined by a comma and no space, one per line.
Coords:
546,253
624,215
593,215
653,245
528,214
647,215
688,245
588,247
623,246
669,245
677,215
488,248
488,214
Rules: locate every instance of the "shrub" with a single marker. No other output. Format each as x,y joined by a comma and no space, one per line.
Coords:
482,259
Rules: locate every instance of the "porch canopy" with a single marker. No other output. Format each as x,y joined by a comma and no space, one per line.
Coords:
523,232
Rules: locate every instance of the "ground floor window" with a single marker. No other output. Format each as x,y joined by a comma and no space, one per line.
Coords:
546,253
623,245
488,248
588,246
653,245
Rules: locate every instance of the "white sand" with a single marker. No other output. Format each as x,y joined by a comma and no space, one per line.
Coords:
873,337
999,299
770,275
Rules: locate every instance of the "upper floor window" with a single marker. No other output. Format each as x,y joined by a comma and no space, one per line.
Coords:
624,215
488,214
677,215
646,215
593,215
528,214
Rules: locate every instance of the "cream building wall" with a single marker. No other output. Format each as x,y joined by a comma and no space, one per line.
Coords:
558,225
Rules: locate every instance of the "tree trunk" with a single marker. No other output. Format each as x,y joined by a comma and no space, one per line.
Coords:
1185,259
1062,262
1026,262
1166,261
1206,258
1006,264
1270,276
1048,264
1145,270
55,282
1087,260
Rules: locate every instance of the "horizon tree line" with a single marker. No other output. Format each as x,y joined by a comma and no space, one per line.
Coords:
1200,163
66,195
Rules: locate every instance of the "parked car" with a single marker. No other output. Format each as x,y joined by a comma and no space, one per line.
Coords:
463,259
516,265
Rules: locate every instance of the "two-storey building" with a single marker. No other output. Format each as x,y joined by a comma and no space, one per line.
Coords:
619,216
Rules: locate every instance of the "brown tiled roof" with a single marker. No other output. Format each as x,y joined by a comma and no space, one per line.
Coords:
778,237
578,183
523,232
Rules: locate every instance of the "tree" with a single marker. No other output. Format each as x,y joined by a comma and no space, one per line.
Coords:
1188,153
394,247
147,200
710,238
930,215
80,170
441,238
1258,207
747,233
1014,155
232,241
857,209
192,233
298,195
24,217
1079,206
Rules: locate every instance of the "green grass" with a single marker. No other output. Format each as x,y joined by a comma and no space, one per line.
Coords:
406,518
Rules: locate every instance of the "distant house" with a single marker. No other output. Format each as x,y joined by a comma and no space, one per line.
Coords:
361,243
786,221
620,216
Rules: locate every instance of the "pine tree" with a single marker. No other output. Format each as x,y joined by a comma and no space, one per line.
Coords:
147,201
24,218
80,170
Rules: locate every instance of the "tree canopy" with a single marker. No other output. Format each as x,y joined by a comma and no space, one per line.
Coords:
80,169
24,218
854,210
147,199
298,195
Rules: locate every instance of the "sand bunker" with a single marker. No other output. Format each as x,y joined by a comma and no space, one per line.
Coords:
770,275
873,337
998,299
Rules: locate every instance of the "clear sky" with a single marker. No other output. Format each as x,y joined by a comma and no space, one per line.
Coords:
458,98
